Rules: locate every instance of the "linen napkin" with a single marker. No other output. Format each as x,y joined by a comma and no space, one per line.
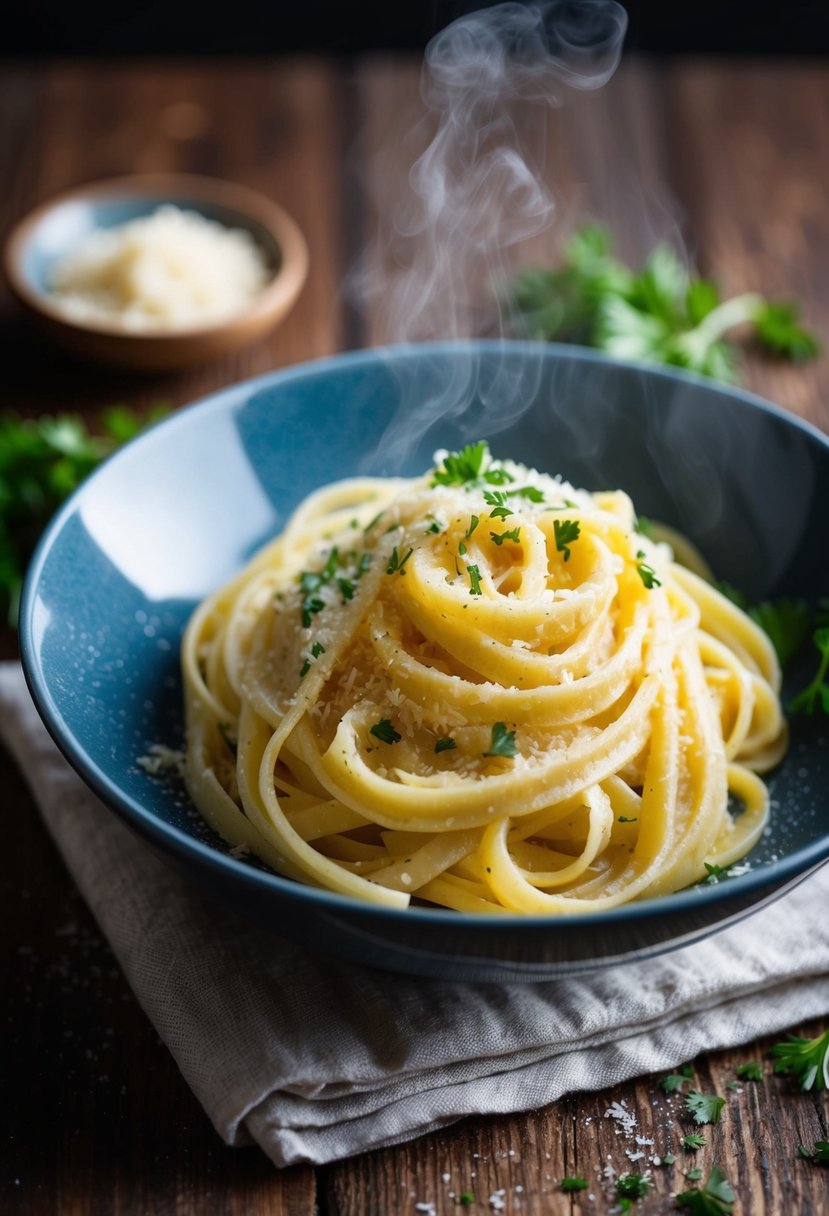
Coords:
316,1059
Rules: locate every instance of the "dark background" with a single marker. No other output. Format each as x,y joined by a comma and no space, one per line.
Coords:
90,27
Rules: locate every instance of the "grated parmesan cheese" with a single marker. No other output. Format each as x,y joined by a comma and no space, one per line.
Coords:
168,270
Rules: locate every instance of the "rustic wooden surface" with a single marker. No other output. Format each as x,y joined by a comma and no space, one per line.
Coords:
731,158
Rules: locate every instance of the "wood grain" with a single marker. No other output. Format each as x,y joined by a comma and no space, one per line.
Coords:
95,1117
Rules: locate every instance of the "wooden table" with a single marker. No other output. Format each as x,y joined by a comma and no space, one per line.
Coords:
733,156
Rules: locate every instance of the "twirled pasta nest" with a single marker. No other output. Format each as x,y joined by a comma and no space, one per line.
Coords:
484,689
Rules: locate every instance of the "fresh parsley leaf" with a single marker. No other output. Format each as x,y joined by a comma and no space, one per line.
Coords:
570,1185
714,872
498,538
385,732
627,819
674,1082
706,1108
461,467
816,694
466,1199
819,1154
807,1060
669,1159
473,523
347,588
694,1141
474,580
531,493
694,1175
566,532
752,1070
502,742
716,1198
435,526
496,476
446,744
311,605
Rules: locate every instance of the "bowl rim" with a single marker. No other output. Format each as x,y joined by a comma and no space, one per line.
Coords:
782,872
281,288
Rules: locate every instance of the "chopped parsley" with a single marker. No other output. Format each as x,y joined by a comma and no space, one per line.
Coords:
446,744
713,872
474,580
466,1199
497,476
498,538
819,1154
461,548
372,522
627,819
396,563
347,588
694,1175
706,1108
497,499
716,1198
807,1060
570,1185
566,531
752,1070
694,1141
473,523
311,605
502,742
646,572
385,732
316,650
669,1159
435,526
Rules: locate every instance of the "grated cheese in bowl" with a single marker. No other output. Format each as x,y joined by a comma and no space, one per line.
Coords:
173,269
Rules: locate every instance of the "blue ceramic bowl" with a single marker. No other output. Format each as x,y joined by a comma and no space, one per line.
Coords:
57,226
175,513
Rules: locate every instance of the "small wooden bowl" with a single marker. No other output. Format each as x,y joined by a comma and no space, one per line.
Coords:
53,228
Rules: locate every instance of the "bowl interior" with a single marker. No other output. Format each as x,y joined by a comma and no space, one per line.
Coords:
61,227
178,511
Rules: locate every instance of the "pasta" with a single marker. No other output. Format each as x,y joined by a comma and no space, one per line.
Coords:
482,688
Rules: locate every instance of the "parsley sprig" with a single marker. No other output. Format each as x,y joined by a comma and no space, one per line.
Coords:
705,1108
807,1060
471,466
660,314
816,693
42,461
571,1185
716,1198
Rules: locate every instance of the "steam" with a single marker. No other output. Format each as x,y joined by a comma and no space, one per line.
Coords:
477,194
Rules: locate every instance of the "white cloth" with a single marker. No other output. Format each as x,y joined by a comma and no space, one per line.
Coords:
316,1059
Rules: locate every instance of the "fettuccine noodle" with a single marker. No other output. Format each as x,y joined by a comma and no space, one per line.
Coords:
482,688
